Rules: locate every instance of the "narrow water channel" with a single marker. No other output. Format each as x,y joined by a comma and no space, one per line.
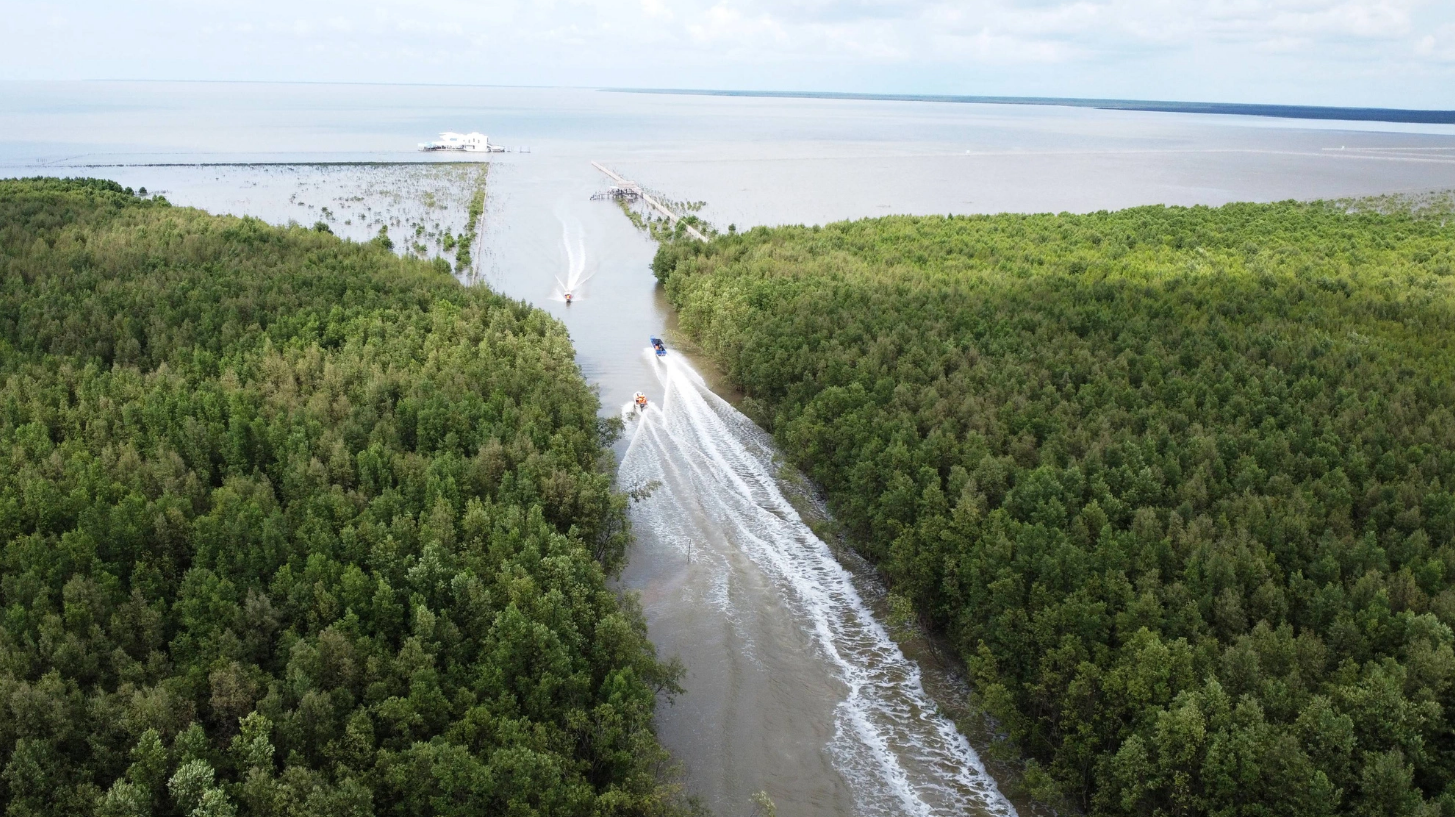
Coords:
795,688
792,687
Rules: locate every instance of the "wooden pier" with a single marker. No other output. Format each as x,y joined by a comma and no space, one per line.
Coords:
630,189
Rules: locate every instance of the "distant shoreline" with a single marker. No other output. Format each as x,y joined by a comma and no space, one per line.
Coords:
401,163
1422,117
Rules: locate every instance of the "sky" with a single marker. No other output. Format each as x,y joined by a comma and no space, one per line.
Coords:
1367,53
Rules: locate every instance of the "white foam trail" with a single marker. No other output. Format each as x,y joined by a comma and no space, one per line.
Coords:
898,755
575,261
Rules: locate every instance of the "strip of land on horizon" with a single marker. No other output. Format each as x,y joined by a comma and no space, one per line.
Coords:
1422,117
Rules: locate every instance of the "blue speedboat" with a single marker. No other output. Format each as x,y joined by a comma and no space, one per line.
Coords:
659,346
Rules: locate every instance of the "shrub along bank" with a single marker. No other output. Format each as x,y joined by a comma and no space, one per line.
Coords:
292,526
1177,482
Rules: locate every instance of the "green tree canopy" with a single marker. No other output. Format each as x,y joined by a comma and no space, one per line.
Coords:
293,526
1177,482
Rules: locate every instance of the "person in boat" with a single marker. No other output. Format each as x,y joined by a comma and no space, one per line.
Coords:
657,344
641,401
568,299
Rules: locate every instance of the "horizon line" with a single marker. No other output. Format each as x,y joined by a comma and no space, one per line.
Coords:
1280,111
1347,113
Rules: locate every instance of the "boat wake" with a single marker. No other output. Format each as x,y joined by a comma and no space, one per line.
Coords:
575,243
713,473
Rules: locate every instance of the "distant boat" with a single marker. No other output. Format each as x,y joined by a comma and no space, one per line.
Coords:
469,142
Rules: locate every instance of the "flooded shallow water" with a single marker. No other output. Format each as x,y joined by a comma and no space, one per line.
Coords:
793,687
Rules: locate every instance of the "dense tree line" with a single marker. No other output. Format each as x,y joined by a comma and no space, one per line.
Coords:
1177,482
472,223
293,526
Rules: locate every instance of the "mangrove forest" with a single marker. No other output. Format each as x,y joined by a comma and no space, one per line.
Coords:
1178,484
294,526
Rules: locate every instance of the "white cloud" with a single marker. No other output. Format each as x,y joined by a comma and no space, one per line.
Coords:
1009,31
987,46
1438,46
1237,48
656,8
726,23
